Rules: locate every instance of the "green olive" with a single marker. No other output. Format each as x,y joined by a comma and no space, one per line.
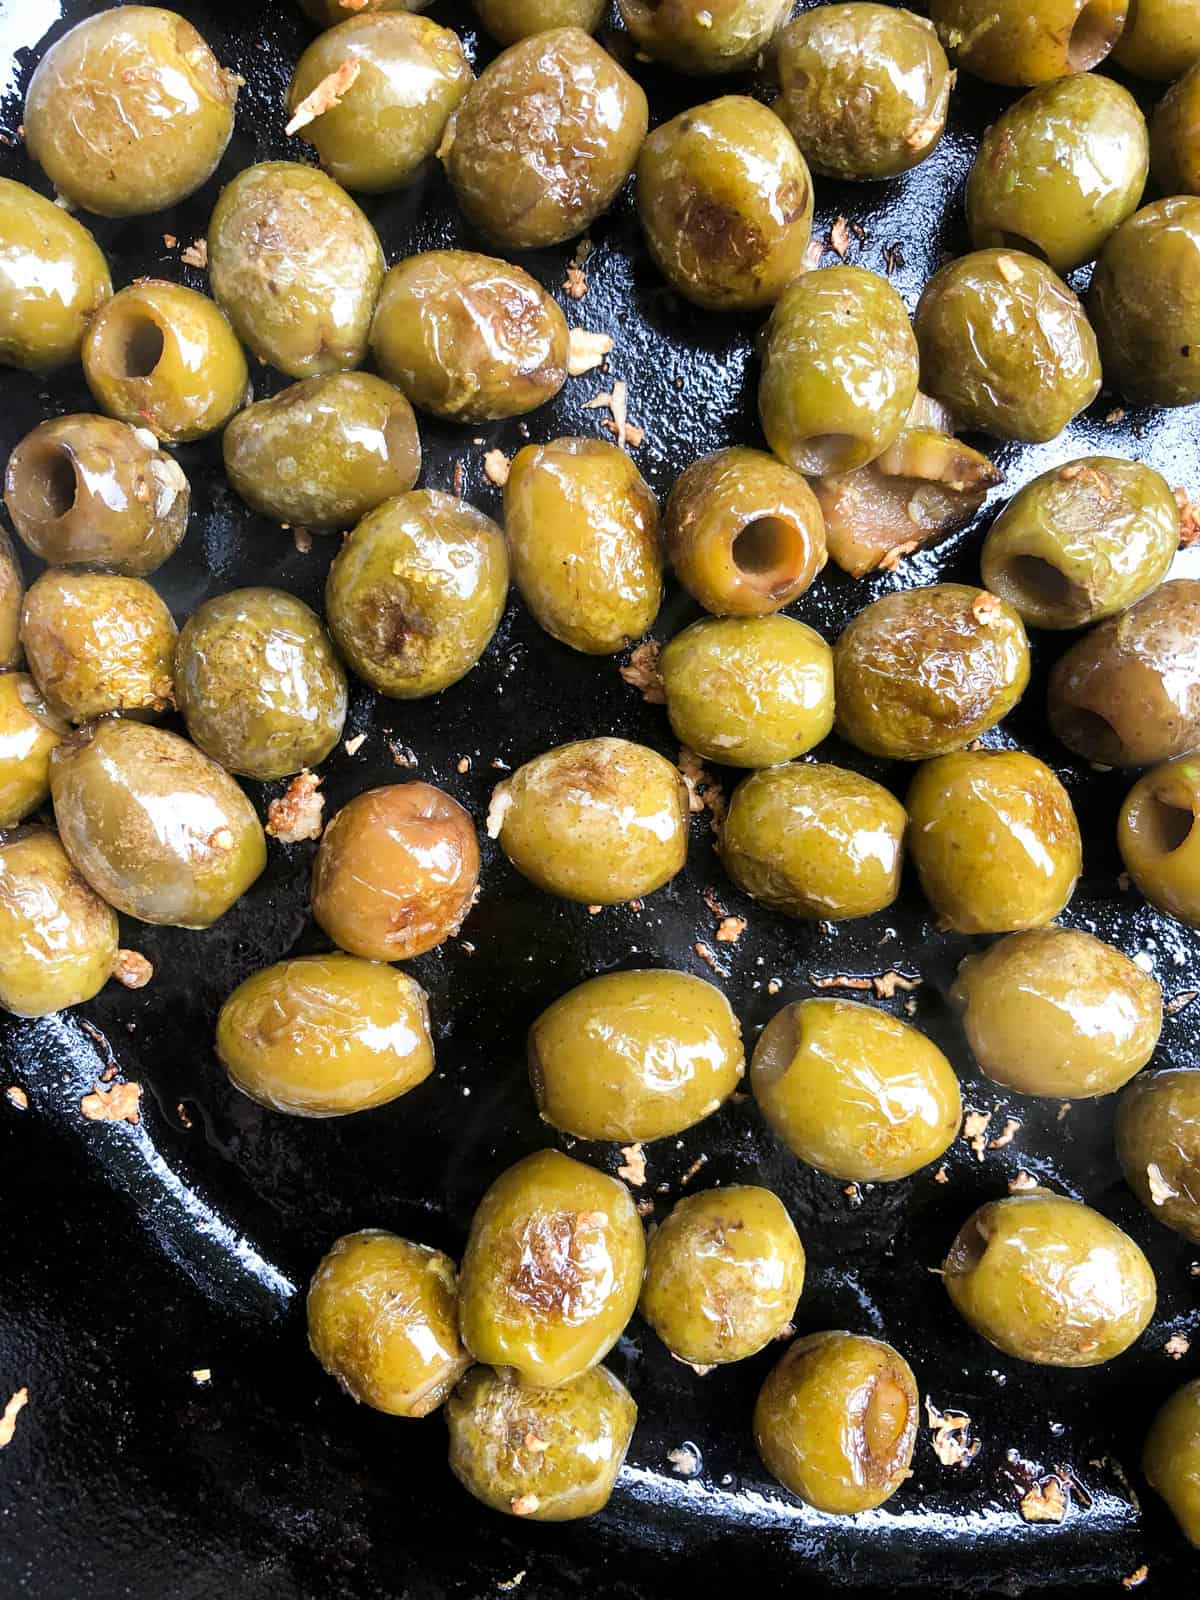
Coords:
1023,42
1175,135
510,20
728,36
1158,1146
12,592
53,279
1171,1457
1161,39
58,939
1159,838
29,731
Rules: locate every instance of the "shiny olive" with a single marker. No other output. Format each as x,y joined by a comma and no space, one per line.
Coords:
96,642
1082,542
815,841
743,533
550,1455
600,821
129,112
1128,693
396,872
12,591
1175,134
727,36
162,832
1159,838
383,1321
634,1056
296,267
839,370
29,731
53,279
1048,1280
510,20
552,1270
468,337
57,938
581,525
725,202
864,89
1023,42
544,139
416,592
723,1274
327,13
1158,1146
994,839
376,92
88,491
921,672
836,1421
749,691
1171,1453
1161,39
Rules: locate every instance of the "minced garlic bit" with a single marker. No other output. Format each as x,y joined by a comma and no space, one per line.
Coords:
886,985
839,237
1007,1134
222,839
616,400
707,955
704,792
974,1131
8,1421
730,930
132,969
633,1169
1160,1190
1022,1183
839,982
774,986
16,1097
1189,519
496,467
498,809
202,1375
1083,472
685,1460
518,1578
1008,269
1177,1346
942,1175
353,746
118,1104
952,1442
298,812
575,283
170,240
1136,1578
586,351
326,95
464,764
643,672
196,254
986,607
1045,1502
524,1505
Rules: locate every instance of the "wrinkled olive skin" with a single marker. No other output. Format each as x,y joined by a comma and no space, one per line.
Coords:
855,1092
994,839
383,1321
864,89
1175,136
296,267
162,357
87,491
1161,39
634,1056
510,20
12,591
129,112
552,1270
1055,1012
1048,1280
1171,1458
737,33
1016,359
723,1274
53,279
839,370
725,202
1144,303
599,821
1024,42
160,831
57,939
96,642
396,872
749,691
918,673
258,683
416,592
1158,1146
1159,838
29,730
390,119
1128,693
323,1036
1082,542
744,533
1060,171
581,1434
581,524
328,13
836,1421
544,139
468,337
815,841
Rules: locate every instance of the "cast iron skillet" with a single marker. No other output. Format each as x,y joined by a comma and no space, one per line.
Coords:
134,1257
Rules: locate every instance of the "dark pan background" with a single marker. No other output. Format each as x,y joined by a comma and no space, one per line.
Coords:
132,1256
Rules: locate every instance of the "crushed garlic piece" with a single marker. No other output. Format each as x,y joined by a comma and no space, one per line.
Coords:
642,672
684,1460
575,283
496,467
1160,1190
132,969
524,1505
8,1422
196,254
1045,1502
974,1131
353,746
326,95
730,930
1006,1135
498,809
1177,1346
839,237
16,1097
118,1104
952,1442
633,1169
298,812
586,351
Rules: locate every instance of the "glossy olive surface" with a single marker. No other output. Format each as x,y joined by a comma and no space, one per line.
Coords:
599,821
1161,39
1082,542
510,20
296,267
582,529
552,1270
29,731
633,1056
1175,136
53,279
396,872
994,839
1159,838
383,1321
921,672
87,491
57,938
12,590
1158,1146
468,337
836,1421
1171,1455
162,832
727,36
1048,1280
544,139
1023,42
1128,693
549,1455
1057,1012
416,592
743,532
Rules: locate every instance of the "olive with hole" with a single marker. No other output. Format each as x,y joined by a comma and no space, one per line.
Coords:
727,36
1161,40
58,939
1158,1146
1159,838
1175,135
1171,1456
1023,42
53,280
29,731
12,593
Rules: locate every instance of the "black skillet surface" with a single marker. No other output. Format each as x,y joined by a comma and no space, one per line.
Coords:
134,1256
